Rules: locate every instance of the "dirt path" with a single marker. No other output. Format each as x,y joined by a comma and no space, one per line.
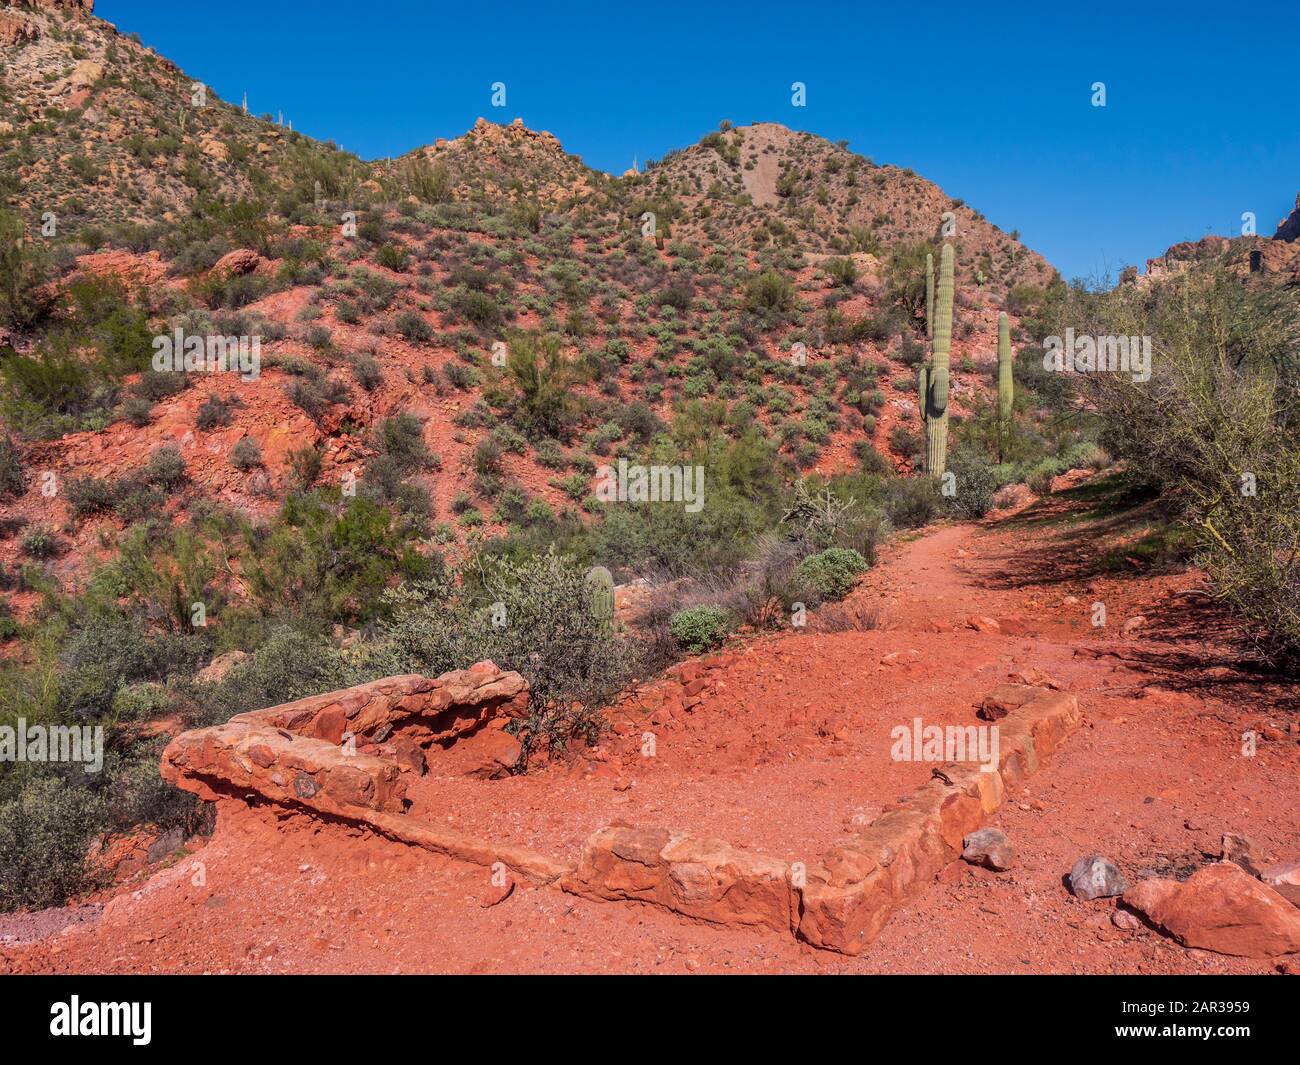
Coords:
1153,780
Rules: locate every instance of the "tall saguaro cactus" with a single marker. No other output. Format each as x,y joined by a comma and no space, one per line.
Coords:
933,382
929,294
1006,386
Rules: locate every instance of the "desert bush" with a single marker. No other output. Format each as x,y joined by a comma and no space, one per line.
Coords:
24,300
215,413
366,370
245,455
700,628
40,542
87,496
832,572
413,326
293,662
769,293
911,502
165,468
974,481
392,257
842,271
137,410
45,833
551,637
543,378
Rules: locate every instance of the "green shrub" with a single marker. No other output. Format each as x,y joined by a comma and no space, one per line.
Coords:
137,410
245,455
975,481
214,413
700,628
911,502
769,293
40,542
833,571
366,370
412,325
549,636
165,468
23,297
87,496
44,835
392,257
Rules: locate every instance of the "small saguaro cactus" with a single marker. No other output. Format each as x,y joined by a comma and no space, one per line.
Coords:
1006,385
933,379
600,598
929,294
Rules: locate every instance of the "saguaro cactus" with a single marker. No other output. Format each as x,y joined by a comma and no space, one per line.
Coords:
600,598
933,380
1006,386
929,294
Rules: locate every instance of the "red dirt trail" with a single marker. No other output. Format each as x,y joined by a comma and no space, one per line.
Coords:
789,744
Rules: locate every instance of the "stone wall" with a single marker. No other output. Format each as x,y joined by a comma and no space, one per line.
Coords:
296,753
842,901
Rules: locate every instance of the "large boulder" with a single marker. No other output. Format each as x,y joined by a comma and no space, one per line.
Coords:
1221,908
239,262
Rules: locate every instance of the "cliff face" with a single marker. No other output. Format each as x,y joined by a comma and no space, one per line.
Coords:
1289,228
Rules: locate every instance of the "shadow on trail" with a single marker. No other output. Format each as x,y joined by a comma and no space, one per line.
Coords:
1104,529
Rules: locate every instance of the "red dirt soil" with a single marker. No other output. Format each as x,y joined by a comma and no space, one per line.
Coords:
789,744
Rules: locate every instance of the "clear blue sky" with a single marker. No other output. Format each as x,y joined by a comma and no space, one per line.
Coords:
992,101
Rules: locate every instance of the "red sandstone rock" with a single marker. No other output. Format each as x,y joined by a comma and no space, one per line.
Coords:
237,263
701,878
1005,698
495,754
293,753
215,671
1220,908
1284,878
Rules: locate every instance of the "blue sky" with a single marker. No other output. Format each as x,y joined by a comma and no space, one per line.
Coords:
992,102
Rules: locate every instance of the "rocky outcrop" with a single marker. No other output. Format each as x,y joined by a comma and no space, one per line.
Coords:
16,30
1289,228
1180,258
239,262
343,751
1276,259
1221,908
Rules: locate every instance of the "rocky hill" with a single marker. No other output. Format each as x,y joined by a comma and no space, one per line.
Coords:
777,293
100,130
765,184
